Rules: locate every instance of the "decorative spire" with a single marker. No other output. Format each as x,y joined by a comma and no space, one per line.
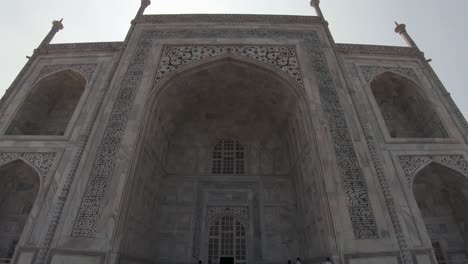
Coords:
316,5
143,6
401,29
56,27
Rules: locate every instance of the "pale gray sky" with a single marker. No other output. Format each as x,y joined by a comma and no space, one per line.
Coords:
439,27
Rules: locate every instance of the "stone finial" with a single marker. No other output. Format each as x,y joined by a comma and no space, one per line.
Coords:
57,24
145,3
143,6
401,29
316,5
56,27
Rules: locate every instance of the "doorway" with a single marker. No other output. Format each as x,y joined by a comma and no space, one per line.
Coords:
227,241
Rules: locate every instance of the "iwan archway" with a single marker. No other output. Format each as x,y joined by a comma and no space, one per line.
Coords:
223,169
441,194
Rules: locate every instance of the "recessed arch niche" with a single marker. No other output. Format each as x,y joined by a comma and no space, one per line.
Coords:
442,197
49,105
405,109
19,186
186,118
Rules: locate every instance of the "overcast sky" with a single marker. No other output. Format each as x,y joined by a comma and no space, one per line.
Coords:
438,27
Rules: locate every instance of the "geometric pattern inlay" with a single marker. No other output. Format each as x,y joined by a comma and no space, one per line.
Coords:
241,213
94,199
369,72
42,161
282,57
359,206
412,163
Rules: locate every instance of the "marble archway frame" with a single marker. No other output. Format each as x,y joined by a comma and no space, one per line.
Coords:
355,189
87,70
370,72
41,162
412,164
283,58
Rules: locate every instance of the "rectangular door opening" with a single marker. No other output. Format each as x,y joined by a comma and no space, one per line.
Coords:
226,260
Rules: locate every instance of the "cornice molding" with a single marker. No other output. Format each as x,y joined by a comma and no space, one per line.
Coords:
229,18
377,50
90,46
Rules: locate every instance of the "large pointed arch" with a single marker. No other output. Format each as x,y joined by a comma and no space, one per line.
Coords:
405,109
187,113
20,184
49,106
441,194
293,84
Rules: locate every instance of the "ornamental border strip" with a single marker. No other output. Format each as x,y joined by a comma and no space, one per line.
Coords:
377,50
41,160
93,201
112,46
413,163
229,19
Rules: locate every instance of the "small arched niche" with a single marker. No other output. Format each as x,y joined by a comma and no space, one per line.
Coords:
407,112
442,196
19,185
50,105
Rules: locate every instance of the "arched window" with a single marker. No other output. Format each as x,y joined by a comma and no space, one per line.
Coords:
442,197
407,112
49,106
228,157
19,185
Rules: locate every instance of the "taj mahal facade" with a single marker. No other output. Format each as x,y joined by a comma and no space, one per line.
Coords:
246,139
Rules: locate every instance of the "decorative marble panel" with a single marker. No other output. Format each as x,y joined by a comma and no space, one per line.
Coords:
377,158
360,209
241,213
42,161
101,175
94,199
371,71
282,57
86,69
412,163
